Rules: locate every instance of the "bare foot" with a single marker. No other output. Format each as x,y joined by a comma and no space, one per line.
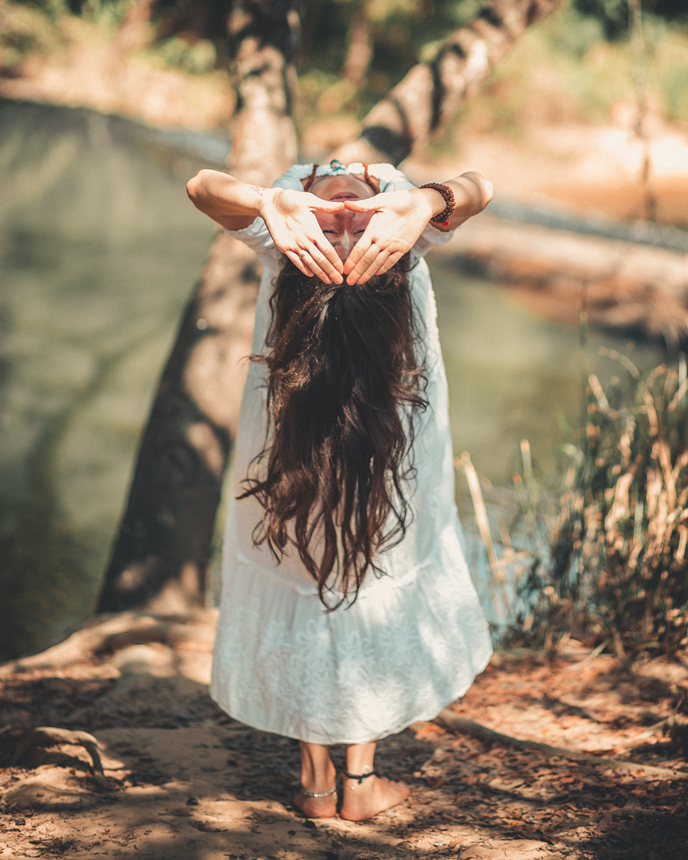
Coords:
366,799
316,807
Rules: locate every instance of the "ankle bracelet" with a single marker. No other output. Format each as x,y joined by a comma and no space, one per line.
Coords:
329,793
359,777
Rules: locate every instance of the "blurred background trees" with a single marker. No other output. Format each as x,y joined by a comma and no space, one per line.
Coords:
351,52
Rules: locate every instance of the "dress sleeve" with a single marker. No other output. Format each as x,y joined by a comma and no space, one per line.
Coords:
258,238
431,237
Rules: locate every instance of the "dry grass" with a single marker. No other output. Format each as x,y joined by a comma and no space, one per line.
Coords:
618,570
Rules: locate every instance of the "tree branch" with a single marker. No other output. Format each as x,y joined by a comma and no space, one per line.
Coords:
431,93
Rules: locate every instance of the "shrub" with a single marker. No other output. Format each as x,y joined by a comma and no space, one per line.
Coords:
618,567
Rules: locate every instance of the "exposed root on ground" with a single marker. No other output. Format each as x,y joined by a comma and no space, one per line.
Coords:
48,736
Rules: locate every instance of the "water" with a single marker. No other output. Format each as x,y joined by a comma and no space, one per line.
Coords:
514,375
99,248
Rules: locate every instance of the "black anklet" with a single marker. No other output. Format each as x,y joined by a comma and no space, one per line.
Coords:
360,777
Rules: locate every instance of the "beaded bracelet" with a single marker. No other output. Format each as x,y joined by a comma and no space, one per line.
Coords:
448,195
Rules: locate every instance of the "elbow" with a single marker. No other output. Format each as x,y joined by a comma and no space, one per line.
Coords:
193,187
485,189
479,190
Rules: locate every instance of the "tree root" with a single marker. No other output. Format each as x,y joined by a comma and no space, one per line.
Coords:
47,736
108,633
172,634
455,723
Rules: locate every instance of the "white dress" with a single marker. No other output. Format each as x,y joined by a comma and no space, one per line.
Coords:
416,636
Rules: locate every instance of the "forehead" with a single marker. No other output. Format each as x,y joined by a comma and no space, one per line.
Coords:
342,178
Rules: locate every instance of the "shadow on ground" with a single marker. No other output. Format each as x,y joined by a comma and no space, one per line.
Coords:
185,781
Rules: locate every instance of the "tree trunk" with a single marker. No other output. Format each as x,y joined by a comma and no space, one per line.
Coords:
159,557
360,51
431,93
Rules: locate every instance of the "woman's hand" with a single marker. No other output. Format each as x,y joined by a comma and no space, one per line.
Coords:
287,213
289,216
399,218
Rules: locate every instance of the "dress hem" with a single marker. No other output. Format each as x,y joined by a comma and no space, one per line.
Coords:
425,714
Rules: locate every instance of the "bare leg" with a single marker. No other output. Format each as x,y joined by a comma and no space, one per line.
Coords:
364,799
317,774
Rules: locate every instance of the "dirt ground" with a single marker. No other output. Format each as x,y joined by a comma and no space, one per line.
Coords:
182,780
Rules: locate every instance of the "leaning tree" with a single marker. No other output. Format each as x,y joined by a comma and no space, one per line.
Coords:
160,554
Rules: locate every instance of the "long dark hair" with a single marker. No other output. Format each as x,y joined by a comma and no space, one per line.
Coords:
344,385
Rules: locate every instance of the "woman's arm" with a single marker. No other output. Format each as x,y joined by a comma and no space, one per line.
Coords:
288,215
472,193
400,217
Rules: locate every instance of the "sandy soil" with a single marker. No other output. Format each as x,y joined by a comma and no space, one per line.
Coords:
185,781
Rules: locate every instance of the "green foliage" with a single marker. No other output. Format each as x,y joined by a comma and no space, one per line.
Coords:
400,33
25,31
108,13
197,58
619,568
565,68
30,27
669,73
562,70
105,13
613,15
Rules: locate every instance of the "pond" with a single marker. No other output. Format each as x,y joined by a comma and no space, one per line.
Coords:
99,248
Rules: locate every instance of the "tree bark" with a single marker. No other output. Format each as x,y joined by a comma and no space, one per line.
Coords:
431,93
160,554
360,51
159,557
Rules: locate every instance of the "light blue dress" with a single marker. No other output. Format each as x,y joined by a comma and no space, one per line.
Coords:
415,638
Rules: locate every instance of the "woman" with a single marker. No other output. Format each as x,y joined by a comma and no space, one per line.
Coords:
347,609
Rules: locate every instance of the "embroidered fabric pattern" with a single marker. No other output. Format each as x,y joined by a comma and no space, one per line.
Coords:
390,669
